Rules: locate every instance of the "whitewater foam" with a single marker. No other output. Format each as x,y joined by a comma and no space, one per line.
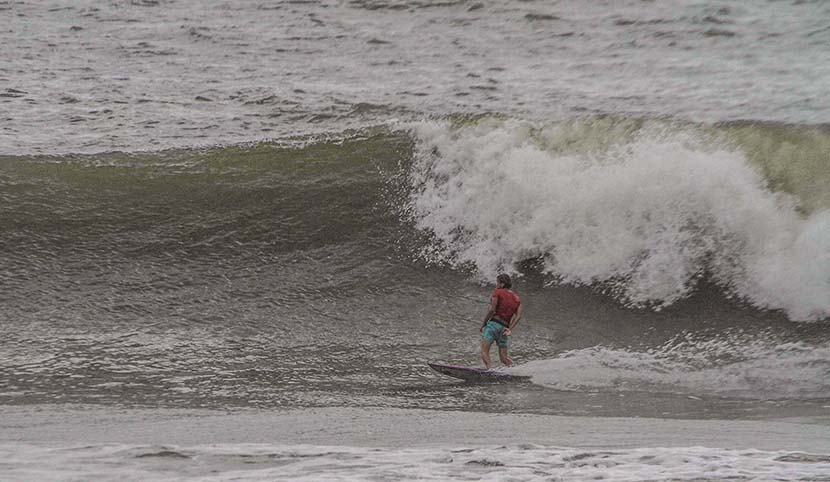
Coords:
737,366
642,212
256,462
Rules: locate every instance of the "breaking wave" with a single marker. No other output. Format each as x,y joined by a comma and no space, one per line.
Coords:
642,209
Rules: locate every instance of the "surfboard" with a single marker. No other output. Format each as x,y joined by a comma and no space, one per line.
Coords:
473,374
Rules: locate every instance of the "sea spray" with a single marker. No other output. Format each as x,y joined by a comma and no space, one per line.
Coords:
643,215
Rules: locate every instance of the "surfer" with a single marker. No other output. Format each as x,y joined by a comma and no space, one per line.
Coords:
502,317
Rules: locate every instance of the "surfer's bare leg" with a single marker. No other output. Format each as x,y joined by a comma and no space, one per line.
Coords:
485,353
504,358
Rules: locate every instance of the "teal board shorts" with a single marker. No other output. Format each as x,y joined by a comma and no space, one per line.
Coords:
494,332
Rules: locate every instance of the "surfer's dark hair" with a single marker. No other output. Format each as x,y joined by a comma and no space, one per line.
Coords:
505,280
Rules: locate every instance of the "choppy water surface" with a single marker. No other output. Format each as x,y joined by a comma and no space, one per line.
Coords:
144,75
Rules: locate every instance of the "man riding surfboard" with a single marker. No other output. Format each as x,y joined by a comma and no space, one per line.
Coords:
503,315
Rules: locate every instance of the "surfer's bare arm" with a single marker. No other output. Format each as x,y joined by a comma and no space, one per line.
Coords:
490,312
514,320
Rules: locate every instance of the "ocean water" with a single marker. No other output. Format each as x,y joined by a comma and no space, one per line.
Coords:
272,207
527,462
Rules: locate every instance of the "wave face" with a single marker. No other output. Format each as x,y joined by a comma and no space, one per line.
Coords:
643,209
181,235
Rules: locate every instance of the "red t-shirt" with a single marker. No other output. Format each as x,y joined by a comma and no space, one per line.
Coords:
506,305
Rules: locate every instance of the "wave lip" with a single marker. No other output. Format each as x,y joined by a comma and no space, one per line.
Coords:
644,210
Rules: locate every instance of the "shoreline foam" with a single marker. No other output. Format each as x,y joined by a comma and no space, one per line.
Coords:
396,428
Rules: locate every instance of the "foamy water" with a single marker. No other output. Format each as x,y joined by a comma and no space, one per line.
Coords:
260,462
735,366
646,214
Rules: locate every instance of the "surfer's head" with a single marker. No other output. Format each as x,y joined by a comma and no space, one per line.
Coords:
504,280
